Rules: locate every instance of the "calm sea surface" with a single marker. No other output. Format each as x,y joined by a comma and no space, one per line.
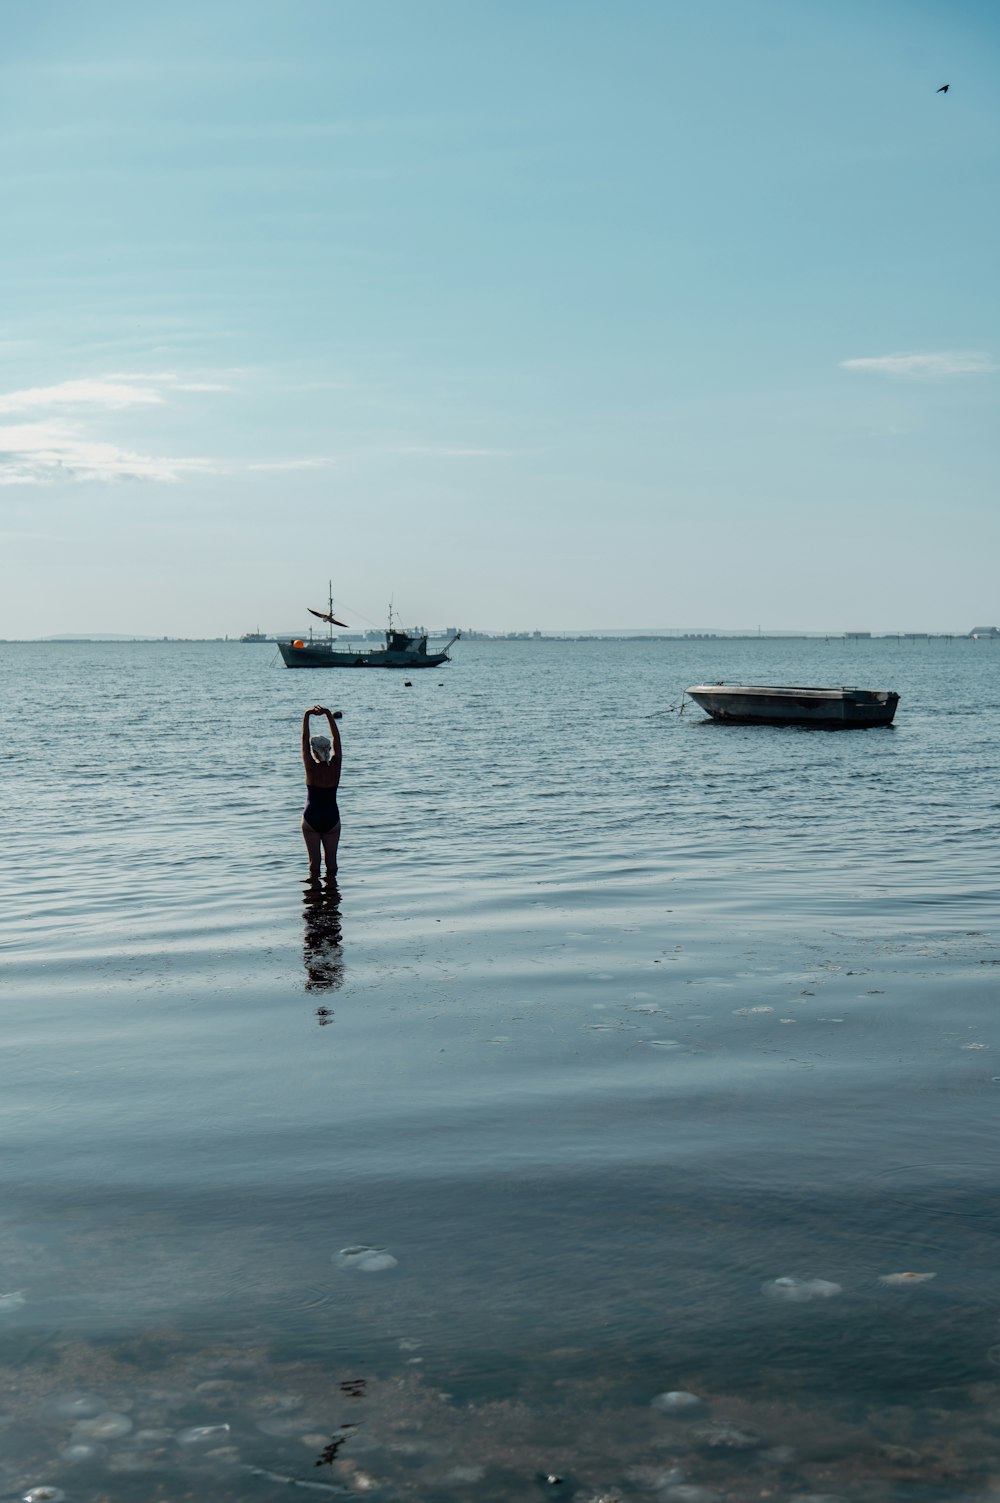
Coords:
617,1017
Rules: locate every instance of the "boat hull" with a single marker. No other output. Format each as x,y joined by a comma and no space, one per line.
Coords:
316,655
772,704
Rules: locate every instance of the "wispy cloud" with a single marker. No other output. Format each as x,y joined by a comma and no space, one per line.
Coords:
290,464
41,453
449,451
943,363
170,380
98,391
57,442
113,392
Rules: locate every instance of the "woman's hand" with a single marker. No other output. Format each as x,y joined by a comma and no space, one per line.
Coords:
317,710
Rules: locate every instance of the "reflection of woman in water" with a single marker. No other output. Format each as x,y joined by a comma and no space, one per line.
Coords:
321,817
322,942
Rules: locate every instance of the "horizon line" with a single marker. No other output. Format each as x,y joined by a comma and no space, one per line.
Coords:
669,633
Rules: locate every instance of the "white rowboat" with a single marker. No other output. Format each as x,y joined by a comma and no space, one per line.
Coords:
779,704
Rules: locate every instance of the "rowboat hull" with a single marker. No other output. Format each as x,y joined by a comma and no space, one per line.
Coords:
772,704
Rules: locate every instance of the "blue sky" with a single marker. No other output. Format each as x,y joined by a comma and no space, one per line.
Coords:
554,314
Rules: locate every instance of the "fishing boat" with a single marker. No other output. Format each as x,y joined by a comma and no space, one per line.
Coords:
403,649
779,704
254,636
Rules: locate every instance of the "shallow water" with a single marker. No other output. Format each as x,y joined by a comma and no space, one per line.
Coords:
616,1017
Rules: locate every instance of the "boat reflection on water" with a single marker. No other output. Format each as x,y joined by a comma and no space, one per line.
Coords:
322,940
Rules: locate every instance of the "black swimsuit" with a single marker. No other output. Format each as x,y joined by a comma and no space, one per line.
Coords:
321,812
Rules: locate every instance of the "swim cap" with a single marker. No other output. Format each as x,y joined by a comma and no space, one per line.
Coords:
322,746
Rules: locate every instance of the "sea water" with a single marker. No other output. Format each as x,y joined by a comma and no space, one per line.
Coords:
632,1057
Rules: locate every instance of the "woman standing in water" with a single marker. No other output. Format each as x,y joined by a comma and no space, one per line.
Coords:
321,817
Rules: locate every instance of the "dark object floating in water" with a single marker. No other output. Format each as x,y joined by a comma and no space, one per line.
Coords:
774,704
943,89
407,683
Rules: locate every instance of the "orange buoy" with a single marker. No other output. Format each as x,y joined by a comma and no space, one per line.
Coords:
298,642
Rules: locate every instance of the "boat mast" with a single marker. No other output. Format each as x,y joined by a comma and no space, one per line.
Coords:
329,591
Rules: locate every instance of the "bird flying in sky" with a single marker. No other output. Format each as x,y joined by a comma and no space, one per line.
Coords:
325,616
943,89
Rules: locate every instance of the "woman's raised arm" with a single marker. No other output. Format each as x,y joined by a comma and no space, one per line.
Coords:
334,736
307,756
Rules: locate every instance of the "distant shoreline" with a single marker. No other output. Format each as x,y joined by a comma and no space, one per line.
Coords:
664,634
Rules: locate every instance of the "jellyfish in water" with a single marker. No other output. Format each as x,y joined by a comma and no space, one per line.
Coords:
110,1426
677,1402
365,1259
74,1406
894,1279
79,1452
202,1435
799,1291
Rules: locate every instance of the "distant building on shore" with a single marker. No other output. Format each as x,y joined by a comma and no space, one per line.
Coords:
984,631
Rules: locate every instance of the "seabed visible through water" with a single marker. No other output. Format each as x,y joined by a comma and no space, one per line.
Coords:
163,1422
